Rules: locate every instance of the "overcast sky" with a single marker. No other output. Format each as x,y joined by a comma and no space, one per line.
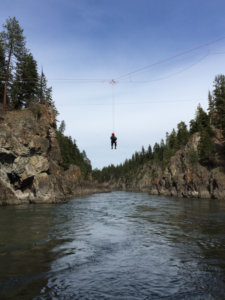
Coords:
143,45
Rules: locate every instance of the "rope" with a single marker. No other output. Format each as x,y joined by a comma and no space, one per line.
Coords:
112,82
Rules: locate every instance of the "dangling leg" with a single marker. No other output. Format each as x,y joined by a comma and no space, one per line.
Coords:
111,145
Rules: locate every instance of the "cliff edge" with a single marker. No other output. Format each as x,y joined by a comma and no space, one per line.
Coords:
30,160
183,176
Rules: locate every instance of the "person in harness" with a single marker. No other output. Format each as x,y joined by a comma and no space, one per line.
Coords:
113,140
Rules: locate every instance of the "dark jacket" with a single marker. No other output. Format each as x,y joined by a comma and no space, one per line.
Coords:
113,138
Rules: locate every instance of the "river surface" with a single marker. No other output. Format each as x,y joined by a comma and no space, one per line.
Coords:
114,246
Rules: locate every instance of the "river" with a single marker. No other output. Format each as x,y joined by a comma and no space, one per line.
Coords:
114,246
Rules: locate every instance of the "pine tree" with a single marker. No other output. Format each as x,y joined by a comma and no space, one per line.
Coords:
62,127
219,100
205,148
45,92
211,107
182,134
193,126
149,152
71,153
25,85
200,122
2,71
219,87
172,140
14,47
156,151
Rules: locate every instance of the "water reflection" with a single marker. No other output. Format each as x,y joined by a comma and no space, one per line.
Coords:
114,246
27,235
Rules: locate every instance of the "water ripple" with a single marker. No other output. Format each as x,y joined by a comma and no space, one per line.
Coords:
114,246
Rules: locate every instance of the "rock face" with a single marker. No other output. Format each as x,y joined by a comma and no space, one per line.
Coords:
183,176
30,161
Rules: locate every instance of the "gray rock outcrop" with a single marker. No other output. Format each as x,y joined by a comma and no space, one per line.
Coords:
183,176
30,161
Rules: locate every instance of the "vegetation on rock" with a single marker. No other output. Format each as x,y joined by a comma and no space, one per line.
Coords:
71,153
189,162
21,86
204,124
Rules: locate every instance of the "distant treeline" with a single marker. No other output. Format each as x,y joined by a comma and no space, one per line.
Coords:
161,152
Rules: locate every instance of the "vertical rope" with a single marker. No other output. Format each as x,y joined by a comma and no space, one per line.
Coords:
113,107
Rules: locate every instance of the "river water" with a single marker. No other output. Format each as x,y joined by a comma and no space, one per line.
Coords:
114,246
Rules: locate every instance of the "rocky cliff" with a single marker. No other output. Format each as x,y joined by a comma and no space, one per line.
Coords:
30,160
183,176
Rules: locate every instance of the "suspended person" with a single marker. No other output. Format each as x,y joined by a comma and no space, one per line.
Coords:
113,140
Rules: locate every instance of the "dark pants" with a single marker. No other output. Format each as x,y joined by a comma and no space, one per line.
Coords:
113,143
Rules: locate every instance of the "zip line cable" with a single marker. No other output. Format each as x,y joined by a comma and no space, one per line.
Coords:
170,58
89,80
83,80
170,75
121,77
127,76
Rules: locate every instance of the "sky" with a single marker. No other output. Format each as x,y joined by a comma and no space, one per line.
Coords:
162,54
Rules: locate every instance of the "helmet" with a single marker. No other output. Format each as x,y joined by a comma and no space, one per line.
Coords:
113,133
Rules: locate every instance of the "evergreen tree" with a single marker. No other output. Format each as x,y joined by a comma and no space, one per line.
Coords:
2,71
86,159
172,140
156,152
211,107
142,155
193,126
25,85
45,93
219,88
72,155
182,134
200,122
162,144
205,148
162,152
219,101
149,152
13,43
62,127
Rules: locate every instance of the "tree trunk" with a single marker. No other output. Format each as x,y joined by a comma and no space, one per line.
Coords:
7,78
